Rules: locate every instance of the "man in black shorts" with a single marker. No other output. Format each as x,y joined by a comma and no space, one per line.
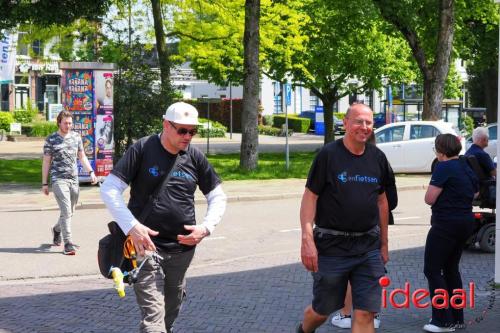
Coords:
344,217
170,228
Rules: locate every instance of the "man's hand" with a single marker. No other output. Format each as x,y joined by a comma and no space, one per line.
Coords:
93,178
140,236
309,255
384,252
198,232
45,189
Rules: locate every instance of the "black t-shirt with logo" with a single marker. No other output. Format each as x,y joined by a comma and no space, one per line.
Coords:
348,187
143,167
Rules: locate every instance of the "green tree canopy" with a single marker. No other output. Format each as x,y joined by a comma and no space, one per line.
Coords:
48,12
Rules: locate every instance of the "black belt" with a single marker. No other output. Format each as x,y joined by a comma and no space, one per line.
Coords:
374,230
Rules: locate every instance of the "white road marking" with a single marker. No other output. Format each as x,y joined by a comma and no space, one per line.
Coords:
407,218
214,238
290,230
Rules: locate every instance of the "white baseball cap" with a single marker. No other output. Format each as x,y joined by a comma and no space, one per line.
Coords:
182,113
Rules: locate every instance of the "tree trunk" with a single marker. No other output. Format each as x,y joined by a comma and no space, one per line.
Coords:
161,47
433,98
249,155
490,87
328,115
434,83
434,74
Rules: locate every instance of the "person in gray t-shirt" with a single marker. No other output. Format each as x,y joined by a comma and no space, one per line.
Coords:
60,152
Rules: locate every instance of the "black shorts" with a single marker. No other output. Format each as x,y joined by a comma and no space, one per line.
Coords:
330,282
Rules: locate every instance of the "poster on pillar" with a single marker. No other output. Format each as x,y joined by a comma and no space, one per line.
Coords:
87,90
78,90
103,82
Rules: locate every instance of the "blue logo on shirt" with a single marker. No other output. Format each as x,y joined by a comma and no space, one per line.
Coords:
154,171
344,178
181,174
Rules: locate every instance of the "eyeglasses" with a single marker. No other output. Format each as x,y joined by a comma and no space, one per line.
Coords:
183,131
361,122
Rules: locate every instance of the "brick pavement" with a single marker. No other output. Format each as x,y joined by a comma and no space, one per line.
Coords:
255,295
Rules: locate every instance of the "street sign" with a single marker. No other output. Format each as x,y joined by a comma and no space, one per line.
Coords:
288,92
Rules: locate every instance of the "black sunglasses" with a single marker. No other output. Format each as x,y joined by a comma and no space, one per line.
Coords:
183,131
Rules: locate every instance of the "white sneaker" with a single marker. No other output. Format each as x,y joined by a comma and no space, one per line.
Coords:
376,321
341,321
437,329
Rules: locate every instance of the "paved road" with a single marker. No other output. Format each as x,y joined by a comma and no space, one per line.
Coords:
297,143
247,278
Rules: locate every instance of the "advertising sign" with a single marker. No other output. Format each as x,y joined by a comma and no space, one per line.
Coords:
82,123
88,94
103,82
54,110
7,57
78,90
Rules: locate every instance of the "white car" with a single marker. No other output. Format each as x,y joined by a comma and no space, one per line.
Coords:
492,142
409,145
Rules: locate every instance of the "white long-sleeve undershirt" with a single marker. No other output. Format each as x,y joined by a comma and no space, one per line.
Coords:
112,195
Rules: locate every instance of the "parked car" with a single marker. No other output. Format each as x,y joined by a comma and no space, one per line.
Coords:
409,145
379,119
492,143
338,123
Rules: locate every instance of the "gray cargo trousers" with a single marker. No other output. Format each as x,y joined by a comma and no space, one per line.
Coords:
66,193
160,290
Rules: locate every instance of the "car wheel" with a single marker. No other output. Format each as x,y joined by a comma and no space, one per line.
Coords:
433,165
487,242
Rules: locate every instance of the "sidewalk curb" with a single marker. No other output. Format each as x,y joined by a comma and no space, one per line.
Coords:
97,204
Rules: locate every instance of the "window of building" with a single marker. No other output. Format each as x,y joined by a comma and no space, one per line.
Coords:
22,47
37,47
4,94
313,101
21,79
353,98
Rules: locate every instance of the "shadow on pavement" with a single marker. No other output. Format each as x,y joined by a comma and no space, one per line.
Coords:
43,248
252,301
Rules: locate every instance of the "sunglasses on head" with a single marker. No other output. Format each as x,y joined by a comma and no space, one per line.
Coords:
183,131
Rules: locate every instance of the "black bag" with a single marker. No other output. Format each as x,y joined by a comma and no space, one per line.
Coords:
110,251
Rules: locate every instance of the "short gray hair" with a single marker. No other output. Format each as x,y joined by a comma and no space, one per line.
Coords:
479,133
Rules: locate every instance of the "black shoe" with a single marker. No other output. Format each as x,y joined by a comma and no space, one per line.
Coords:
56,237
300,330
70,249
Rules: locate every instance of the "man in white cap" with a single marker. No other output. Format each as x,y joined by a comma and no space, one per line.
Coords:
168,168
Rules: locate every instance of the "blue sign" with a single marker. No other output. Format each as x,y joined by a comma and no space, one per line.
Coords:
288,92
319,126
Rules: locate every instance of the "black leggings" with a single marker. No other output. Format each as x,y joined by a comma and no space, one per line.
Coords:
442,256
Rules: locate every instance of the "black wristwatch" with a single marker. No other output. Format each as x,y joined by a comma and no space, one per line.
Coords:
91,171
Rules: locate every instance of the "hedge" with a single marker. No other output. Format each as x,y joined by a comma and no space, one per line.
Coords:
269,130
297,124
42,129
24,116
217,130
6,119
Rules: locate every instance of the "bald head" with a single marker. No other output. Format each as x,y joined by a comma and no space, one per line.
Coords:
357,107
